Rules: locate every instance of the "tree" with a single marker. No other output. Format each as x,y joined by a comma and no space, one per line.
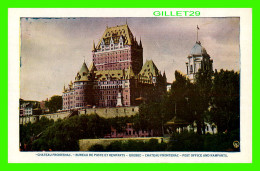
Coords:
54,104
180,98
63,135
202,97
225,112
30,132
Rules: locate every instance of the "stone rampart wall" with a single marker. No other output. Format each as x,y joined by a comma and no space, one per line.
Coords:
85,144
111,112
102,112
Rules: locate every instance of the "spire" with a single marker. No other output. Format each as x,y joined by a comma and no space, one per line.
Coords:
126,21
64,89
84,68
140,44
92,67
164,76
130,73
94,48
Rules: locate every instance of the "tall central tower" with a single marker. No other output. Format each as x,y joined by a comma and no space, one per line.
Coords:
118,49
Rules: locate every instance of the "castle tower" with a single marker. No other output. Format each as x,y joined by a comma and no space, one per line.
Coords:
117,50
83,85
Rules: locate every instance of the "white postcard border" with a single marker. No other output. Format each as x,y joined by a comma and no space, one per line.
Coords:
15,156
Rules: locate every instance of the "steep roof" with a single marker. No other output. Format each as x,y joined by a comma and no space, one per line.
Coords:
115,33
149,69
83,74
92,67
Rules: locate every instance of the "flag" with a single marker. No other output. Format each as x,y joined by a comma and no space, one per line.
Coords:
198,27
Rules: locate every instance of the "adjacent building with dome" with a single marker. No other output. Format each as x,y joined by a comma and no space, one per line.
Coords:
198,59
116,76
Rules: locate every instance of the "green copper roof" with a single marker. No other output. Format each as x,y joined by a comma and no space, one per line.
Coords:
84,68
83,74
149,69
115,33
110,74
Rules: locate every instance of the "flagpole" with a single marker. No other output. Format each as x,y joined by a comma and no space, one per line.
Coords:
197,33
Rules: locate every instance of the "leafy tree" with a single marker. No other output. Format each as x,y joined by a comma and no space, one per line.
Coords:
54,104
63,135
202,97
180,98
225,108
29,131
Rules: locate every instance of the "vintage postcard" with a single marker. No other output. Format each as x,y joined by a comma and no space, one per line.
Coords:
130,85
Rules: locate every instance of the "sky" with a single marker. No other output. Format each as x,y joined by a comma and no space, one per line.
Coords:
53,50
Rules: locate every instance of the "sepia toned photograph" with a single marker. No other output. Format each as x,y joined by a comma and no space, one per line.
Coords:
116,84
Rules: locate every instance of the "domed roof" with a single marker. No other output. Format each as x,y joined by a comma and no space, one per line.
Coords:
198,50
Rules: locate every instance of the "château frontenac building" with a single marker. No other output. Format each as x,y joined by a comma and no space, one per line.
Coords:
116,76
